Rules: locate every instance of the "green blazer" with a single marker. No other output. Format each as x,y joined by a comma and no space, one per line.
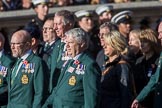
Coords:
78,85
28,88
155,84
55,64
6,63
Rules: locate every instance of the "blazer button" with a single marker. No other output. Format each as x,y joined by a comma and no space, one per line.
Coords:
158,93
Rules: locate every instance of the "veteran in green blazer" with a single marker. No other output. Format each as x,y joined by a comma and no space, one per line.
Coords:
154,84
63,21
5,63
79,82
27,82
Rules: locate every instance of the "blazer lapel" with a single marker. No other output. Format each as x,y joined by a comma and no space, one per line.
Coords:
65,72
18,77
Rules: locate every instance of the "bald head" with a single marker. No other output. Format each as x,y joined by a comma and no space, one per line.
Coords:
22,36
20,43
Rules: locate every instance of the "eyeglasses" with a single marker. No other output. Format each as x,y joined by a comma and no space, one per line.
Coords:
20,43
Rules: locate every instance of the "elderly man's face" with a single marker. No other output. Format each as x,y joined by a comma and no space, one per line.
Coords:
72,47
59,26
19,45
49,34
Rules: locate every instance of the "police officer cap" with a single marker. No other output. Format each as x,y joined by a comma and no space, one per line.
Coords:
122,17
82,13
36,2
33,30
104,8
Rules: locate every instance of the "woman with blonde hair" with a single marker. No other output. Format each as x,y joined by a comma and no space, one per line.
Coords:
134,42
146,65
116,82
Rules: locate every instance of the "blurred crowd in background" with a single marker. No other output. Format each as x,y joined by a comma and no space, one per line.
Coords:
8,5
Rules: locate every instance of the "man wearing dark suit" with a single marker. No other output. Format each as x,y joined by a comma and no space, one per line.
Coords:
27,79
63,21
5,63
49,37
79,82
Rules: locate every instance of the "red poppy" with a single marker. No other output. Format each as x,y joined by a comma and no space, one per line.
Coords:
25,62
76,62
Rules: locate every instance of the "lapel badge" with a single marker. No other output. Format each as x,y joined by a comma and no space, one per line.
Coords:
70,69
72,81
24,79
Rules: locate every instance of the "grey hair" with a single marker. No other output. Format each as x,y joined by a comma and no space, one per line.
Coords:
68,17
79,35
109,25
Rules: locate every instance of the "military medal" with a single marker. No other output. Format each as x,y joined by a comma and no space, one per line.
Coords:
3,71
24,79
72,81
0,81
32,65
80,69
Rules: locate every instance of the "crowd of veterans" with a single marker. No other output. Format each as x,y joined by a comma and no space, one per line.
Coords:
71,61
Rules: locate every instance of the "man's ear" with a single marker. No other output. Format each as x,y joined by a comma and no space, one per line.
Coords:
33,41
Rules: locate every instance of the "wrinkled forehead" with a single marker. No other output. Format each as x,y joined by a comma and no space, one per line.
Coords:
19,36
49,23
58,18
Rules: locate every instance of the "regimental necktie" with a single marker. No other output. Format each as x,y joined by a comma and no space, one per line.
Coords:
13,75
46,47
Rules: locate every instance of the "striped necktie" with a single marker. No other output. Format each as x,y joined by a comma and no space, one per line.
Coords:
13,75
